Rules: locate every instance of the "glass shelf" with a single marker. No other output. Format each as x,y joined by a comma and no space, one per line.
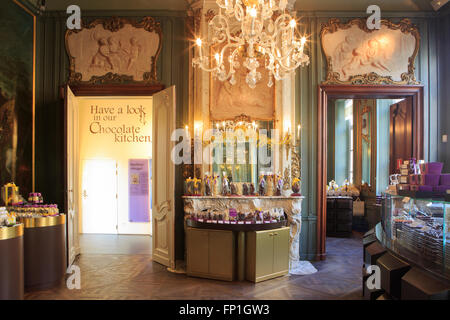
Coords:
418,229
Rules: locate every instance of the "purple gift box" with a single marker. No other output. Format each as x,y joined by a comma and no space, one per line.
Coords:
425,188
413,179
431,168
441,189
429,179
445,179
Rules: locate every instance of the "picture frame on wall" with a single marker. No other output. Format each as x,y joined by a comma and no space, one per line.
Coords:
229,101
358,55
17,95
115,50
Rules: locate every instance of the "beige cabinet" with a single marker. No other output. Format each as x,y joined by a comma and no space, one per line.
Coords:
267,254
210,253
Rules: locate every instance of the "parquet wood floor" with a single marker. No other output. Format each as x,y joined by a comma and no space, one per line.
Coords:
136,276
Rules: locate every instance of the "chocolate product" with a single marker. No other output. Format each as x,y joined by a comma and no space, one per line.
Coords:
403,179
262,185
429,179
252,189
445,179
426,188
245,189
233,189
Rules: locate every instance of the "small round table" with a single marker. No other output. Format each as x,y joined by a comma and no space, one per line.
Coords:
44,251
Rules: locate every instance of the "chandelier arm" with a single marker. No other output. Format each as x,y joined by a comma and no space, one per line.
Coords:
231,59
224,28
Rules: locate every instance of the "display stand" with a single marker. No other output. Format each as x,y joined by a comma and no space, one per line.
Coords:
11,263
44,251
292,206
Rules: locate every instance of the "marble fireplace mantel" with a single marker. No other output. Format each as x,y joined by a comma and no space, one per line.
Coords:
292,207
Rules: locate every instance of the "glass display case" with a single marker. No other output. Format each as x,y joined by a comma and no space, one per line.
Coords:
418,230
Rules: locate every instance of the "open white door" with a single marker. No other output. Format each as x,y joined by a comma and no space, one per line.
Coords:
163,173
73,246
99,196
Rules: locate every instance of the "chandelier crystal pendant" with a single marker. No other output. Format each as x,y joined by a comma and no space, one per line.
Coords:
259,31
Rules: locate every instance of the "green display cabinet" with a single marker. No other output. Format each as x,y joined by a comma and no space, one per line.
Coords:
210,253
267,254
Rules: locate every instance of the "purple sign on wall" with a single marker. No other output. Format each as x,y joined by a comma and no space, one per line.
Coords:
139,190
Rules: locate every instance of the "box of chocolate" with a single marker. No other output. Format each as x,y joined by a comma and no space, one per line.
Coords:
445,179
403,179
426,188
431,168
429,179
404,172
441,189
413,179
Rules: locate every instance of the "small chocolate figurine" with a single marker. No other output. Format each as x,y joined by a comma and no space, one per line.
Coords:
233,189
279,186
269,185
245,189
225,185
189,186
262,185
296,186
207,183
215,185
197,186
252,190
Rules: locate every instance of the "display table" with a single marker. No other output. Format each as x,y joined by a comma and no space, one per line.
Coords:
292,207
339,216
11,263
44,251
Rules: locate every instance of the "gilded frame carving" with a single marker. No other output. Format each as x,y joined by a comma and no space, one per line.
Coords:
405,26
115,24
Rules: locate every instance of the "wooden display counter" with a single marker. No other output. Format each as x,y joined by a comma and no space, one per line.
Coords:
242,250
44,251
11,263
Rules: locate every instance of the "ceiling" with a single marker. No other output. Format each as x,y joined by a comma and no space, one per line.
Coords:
301,5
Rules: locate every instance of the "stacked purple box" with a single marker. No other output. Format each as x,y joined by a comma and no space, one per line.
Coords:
432,178
444,183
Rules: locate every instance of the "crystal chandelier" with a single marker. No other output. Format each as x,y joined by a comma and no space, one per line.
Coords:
267,37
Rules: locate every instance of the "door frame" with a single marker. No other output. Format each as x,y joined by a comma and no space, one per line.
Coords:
99,91
356,92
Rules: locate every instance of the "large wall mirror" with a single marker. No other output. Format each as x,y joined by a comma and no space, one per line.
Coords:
362,131
248,166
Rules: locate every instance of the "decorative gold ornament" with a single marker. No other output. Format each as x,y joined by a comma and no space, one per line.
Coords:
114,24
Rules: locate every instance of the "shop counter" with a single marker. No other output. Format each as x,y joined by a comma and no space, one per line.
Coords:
11,263
44,251
236,237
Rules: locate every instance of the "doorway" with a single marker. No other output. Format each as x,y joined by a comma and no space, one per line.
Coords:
109,154
115,147
327,92
99,196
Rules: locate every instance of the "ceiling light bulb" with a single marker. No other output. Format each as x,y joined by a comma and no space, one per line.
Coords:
252,12
292,23
198,42
303,40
